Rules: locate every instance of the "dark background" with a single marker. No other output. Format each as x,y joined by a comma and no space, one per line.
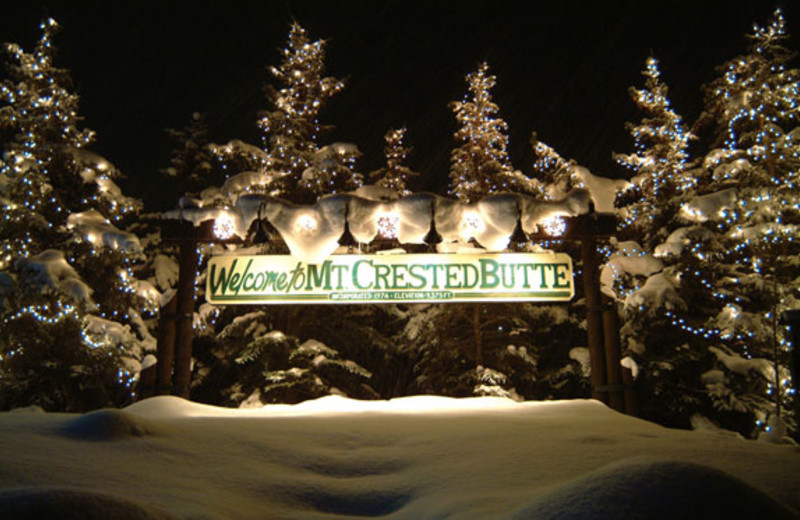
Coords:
563,70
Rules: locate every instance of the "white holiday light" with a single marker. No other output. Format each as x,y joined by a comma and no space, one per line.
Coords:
480,165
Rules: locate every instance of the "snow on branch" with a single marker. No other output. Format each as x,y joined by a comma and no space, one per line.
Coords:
95,228
740,365
709,207
50,269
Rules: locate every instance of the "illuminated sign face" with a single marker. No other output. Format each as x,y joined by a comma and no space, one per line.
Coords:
391,278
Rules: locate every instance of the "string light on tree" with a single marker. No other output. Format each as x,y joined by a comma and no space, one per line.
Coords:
291,128
395,175
754,107
66,277
480,164
659,160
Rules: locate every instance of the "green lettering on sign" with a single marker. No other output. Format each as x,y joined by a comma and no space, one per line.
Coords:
240,279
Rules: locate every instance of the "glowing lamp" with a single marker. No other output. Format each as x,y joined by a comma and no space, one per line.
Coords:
471,224
554,226
306,225
388,225
224,227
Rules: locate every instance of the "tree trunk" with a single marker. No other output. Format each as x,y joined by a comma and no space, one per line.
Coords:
476,331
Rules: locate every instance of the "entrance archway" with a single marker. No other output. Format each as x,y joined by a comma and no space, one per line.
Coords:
611,383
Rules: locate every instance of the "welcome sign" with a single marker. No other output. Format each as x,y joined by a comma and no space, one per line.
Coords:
390,278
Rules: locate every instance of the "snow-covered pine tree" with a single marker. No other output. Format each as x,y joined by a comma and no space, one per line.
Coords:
701,325
479,165
658,163
511,350
395,174
659,187
254,363
304,171
550,170
480,349
192,160
751,202
294,353
561,368
658,282
71,328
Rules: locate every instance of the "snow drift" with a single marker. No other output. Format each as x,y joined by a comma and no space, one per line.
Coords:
411,458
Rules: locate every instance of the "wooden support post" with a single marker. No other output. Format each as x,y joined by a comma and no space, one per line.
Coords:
594,319
147,383
791,318
166,347
184,314
616,397
631,403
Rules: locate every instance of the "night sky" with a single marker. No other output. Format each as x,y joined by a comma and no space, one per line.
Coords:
563,70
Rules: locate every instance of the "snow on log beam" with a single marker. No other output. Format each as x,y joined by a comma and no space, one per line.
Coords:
312,231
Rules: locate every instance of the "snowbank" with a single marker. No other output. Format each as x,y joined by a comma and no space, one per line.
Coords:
653,490
411,458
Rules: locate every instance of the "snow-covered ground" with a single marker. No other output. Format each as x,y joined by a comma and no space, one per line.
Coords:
410,458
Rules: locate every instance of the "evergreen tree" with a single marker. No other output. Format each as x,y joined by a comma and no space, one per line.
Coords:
245,362
550,170
480,164
487,349
291,354
701,324
395,175
754,106
303,171
658,163
71,327
191,161
521,351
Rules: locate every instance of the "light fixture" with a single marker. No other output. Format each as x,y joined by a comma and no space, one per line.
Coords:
347,238
388,225
554,226
224,227
471,224
306,225
519,236
432,237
